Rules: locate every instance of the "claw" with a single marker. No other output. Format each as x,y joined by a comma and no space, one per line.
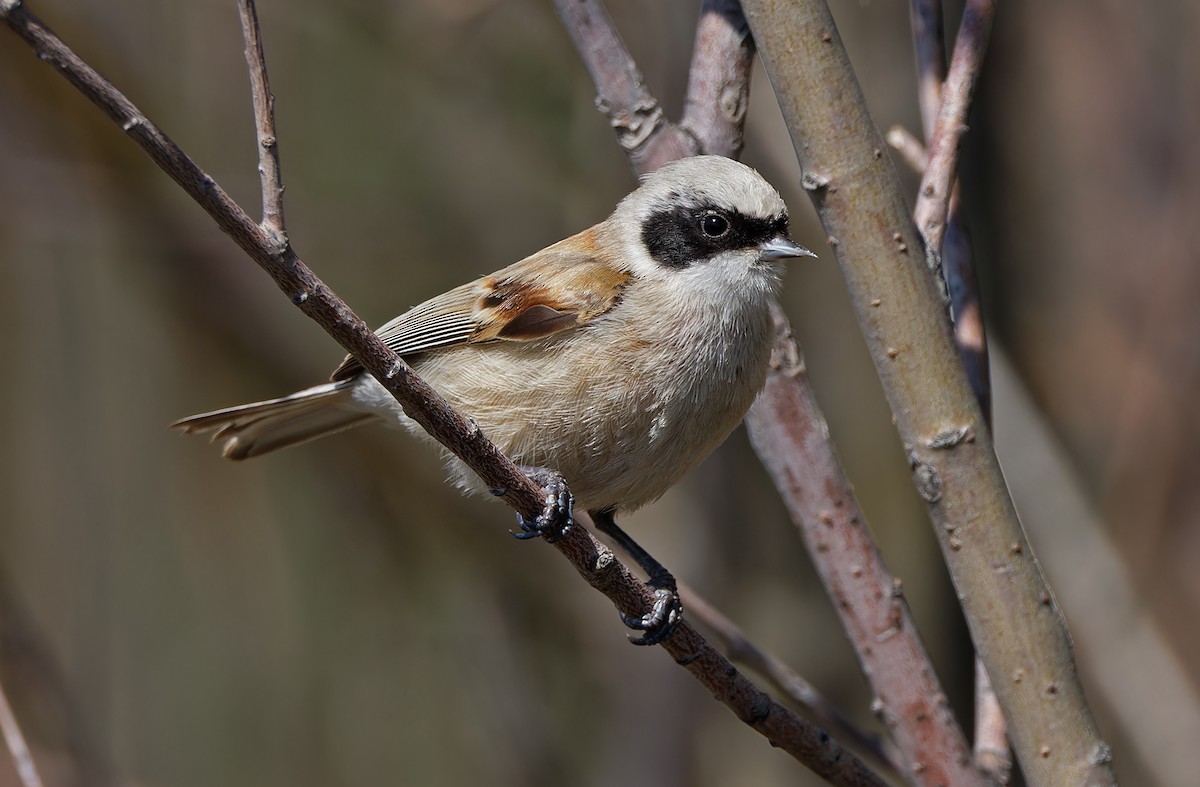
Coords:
556,517
659,623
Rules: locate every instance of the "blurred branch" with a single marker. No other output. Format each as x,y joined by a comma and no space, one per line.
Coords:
805,695
929,45
1149,690
957,265
911,149
595,563
992,755
17,748
635,115
798,451
1019,632
934,195
718,84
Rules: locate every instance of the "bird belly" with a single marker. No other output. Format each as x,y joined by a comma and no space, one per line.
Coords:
620,422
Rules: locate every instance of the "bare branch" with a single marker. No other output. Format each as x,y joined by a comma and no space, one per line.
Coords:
790,434
1018,630
718,93
911,149
805,695
264,122
595,563
934,196
992,755
635,115
970,338
929,40
811,746
13,737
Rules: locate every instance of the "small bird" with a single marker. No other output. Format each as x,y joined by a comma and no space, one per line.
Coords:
619,357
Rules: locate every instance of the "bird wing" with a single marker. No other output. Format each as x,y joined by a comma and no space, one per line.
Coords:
559,288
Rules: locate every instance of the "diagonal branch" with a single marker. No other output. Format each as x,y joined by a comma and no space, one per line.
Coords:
18,749
635,115
718,84
593,561
802,693
789,432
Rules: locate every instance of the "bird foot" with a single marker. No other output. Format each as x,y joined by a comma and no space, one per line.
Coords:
665,613
555,519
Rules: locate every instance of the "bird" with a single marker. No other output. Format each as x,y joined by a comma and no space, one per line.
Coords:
616,359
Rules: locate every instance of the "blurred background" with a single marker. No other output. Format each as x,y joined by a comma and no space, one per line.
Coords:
335,613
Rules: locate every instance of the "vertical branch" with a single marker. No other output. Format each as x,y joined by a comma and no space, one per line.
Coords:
17,748
718,92
1019,632
264,122
934,196
970,336
929,40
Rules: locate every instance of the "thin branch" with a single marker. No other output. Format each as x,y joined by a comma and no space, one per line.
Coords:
992,755
635,115
934,196
929,43
264,122
741,649
592,560
789,432
970,337
13,737
1018,630
912,150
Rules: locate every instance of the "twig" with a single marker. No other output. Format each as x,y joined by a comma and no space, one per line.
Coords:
934,196
911,149
741,649
14,739
799,454
789,432
1018,630
929,44
264,122
593,561
992,755
970,337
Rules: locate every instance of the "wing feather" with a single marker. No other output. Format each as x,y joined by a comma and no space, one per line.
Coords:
557,289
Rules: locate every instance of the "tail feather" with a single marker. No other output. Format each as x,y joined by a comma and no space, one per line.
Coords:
260,427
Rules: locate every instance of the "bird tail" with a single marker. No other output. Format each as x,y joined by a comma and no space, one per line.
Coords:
260,427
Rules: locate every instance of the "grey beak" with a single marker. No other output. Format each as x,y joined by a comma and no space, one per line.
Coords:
781,248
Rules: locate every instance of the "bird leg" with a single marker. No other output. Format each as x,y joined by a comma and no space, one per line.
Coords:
666,611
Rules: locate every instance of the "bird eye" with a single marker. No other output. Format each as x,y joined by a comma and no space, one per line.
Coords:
714,225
